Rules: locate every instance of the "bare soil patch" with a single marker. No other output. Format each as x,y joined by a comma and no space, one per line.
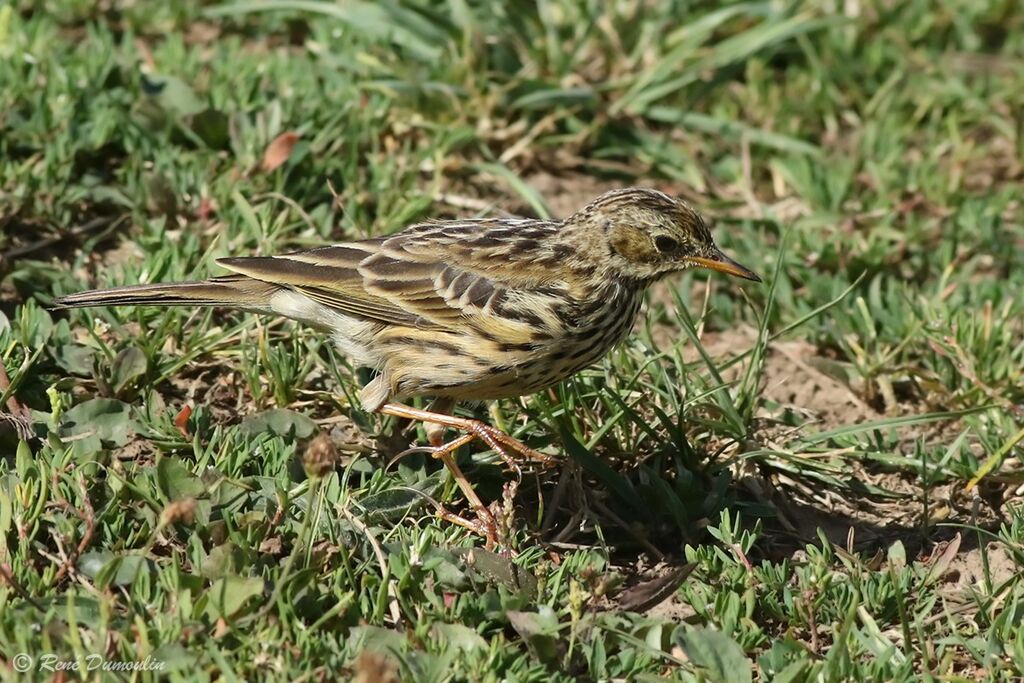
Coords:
796,378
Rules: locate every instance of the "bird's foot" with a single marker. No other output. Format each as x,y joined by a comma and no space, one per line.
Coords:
485,524
506,446
493,523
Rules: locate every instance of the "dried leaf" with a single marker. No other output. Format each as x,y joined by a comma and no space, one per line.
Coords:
648,594
942,561
376,667
279,150
181,420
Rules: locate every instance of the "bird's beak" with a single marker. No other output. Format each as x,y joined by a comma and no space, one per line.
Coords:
724,264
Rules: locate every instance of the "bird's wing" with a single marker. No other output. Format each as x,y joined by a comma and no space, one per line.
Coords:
430,276
328,275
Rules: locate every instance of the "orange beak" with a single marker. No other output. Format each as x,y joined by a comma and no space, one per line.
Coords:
724,264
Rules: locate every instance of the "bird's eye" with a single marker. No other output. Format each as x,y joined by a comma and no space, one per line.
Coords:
665,244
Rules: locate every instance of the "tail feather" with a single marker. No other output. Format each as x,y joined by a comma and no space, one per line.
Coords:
230,291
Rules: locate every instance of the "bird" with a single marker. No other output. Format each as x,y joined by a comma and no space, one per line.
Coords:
466,309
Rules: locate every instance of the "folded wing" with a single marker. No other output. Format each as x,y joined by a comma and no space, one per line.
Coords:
431,277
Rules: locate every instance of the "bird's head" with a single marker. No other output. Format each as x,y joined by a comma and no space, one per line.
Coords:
650,234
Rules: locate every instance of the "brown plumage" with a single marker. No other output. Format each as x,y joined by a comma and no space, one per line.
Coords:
467,309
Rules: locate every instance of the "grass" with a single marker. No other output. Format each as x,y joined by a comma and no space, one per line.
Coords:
815,479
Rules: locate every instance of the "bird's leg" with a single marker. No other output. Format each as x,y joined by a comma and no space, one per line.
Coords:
500,442
485,524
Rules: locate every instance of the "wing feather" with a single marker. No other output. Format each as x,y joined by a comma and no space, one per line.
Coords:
333,282
429,276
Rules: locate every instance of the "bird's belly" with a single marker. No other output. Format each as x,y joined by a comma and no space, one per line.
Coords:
499,380
484,371
486,365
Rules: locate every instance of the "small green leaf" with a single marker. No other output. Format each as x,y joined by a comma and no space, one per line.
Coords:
211,126
392,504
995,460
120,570
229,594
172,95
6,519
35,326
375,639
177,481
796,671
897,555
106,418
92,562
498,569
458,636
77,359
447,569
539,630
279,421
129,365
5,26
223,560
717,653
174,657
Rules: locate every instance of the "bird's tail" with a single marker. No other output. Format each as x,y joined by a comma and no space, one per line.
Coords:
233,291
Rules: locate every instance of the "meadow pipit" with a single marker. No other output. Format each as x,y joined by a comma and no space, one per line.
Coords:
473,309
